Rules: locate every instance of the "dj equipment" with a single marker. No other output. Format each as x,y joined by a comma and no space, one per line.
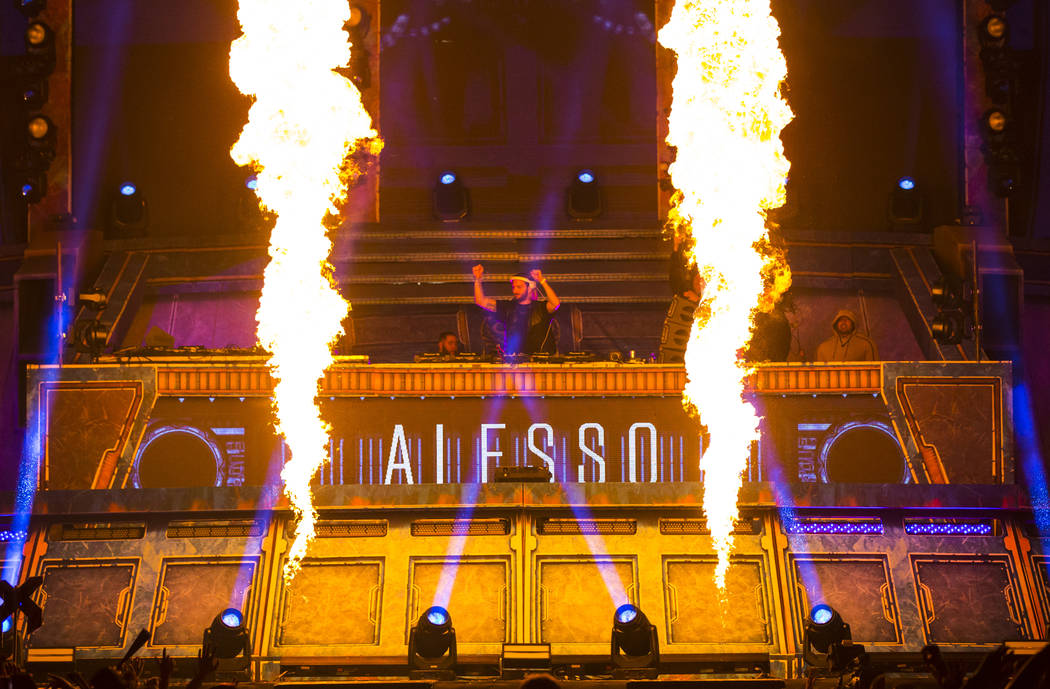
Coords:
531,474
461,358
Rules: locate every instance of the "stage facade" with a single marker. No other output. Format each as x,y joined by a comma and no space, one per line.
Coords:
884,489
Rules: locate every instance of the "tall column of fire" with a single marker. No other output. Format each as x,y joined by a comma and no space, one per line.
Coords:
725,122
305,121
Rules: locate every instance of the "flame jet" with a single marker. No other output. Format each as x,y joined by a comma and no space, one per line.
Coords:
304,123
725,122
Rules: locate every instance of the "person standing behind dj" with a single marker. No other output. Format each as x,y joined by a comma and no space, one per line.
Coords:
528,322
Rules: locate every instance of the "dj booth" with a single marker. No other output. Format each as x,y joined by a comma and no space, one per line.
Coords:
885,489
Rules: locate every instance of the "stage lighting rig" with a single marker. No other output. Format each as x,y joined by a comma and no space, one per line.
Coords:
358,23
432,646
827,642
584,197
992,31
635,648
451,198
1000,153
40,131
129,213
40,49
90,337
949,326
994,124
34,95
997,58
359,70
8,638
250,216
229,638
33,188
89,334
39,39
906,204
36,158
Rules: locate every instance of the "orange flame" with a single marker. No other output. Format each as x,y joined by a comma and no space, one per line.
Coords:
303,125
725,122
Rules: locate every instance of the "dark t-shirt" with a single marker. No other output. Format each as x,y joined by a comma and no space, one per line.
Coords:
528,327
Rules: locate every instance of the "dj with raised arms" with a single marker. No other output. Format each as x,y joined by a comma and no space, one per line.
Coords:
527,321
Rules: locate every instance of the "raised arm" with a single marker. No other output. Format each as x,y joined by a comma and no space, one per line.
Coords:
552,299
480,299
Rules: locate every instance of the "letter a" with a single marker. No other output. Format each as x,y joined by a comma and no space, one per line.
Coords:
398,447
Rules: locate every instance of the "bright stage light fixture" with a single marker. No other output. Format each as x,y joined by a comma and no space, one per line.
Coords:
634,647
1000,153
827,640
358,24
906,203
451,198
229,638
432,645
8,639
39,39
625,614
232,618
40,141
129,213
437,616
992,31
825,627
39,128
995,121
583,200
250,216
821,614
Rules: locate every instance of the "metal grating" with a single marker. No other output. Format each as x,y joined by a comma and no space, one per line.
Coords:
351,529
225,529
748,526
96,532
461,527
588,527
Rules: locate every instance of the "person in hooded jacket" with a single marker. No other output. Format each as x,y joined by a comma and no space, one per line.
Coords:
846,344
